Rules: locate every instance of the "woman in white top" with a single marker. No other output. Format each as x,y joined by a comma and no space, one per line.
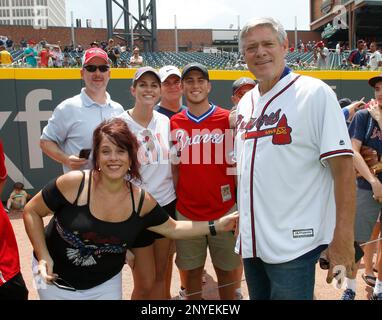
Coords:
152,130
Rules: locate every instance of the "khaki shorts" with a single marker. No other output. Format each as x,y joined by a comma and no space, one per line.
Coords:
192,253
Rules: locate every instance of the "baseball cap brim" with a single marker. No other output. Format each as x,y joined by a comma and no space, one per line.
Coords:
141,71
373,81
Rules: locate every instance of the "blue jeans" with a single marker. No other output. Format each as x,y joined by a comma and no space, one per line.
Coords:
293,280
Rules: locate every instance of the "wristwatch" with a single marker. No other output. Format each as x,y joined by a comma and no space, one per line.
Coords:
211,226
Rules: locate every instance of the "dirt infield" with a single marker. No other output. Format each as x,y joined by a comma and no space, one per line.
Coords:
323,291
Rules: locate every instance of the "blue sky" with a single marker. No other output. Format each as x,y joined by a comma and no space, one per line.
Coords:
208,14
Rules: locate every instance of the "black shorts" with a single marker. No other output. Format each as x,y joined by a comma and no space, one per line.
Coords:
14,289
147,237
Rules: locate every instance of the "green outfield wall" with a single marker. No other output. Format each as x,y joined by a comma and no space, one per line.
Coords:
29,96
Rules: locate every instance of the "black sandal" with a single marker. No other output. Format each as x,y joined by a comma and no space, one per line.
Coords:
370,280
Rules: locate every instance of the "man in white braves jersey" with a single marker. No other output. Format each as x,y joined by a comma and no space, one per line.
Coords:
296,186
204,190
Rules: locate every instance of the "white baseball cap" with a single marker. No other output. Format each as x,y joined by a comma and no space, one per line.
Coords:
167,71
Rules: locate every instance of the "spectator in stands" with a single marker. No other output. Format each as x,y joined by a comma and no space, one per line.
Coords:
321,53
375,59
44,55
12,285
77,62
5,57
113,53
136,61
23,43
73,121
57,57
338,47
358,57
79,49
344,64
30,54
94,44
9,44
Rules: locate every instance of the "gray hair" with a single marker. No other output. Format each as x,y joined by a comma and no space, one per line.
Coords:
272,23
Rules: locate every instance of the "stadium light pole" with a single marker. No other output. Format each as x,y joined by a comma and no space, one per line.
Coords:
295,32
73,36
132,32
238,33
176,34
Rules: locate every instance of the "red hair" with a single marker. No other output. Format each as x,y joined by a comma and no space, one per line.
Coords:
118,132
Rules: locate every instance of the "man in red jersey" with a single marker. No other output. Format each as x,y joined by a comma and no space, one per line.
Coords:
204,189
12,285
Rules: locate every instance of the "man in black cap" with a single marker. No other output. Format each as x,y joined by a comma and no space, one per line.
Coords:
200,135
365,130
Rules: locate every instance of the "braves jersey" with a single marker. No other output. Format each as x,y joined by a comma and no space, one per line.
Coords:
205,189
285,187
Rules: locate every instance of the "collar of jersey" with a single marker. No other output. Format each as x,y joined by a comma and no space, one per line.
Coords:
286,71
204,116
88,102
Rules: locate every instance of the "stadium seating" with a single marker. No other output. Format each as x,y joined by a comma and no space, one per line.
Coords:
211,61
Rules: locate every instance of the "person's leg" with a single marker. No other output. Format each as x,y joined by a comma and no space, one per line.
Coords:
191,255
377,292
226,283
259,287
367,210
161,254
238,278
170,263
143,272
14,289
225,261
293,280
369,251
193,282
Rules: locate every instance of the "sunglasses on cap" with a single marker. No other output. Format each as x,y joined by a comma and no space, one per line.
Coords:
92,68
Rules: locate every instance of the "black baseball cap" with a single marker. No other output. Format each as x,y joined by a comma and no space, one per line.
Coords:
344,102
373,81
195,66
242,82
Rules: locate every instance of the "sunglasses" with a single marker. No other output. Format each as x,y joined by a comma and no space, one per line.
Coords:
62,284
92,68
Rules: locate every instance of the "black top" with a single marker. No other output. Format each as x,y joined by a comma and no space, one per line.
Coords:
87,251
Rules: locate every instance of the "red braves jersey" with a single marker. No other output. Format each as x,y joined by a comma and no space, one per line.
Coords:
3,170
9,254
205,189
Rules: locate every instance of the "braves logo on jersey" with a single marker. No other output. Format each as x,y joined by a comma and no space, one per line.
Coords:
281,133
